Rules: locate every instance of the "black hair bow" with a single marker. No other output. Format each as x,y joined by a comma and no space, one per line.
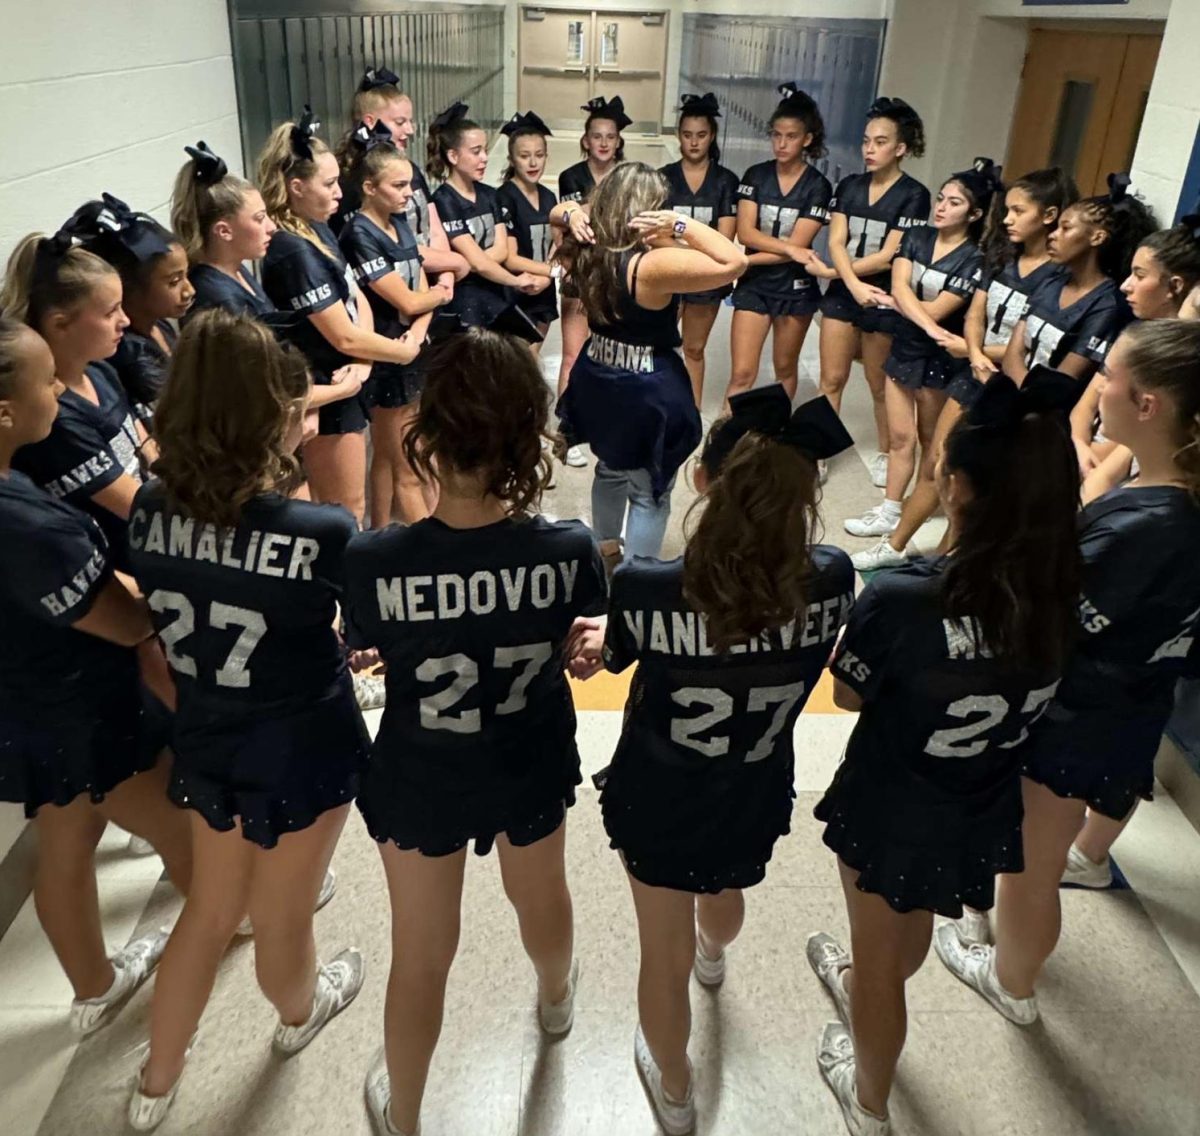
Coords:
1002,404
209,169
450,116
109,221
614,109
982,179
512,320
378,77
303,133
51,250
526,121
814,428
1118,187
884,106
700,104
369,137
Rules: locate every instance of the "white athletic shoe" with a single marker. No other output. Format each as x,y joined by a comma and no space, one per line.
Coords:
874,522
147,1113
835,1059
575,458
709,972
132,965
878,468
972,928
975,966
370,691
822,471
1085,872
556,1018
677,1118
327,892
378,1092
881,555
338,983
830,960
139,847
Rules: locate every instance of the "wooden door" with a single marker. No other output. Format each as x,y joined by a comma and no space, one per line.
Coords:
630,61
1081,103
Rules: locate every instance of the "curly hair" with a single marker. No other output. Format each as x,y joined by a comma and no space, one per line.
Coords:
1127,222
484,411
748,562
632,188
803,107
223,417
910,129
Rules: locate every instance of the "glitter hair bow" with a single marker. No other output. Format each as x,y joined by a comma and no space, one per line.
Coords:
526,121
208,169
378,77
367,138
303,133
110,222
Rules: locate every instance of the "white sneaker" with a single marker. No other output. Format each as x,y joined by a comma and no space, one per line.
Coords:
835,1059
327,892
677,1118
830,960
140,847
874,522
147,1113
975,966
709,972
972,928
370,691
822,471
881,555
338,982
878,467
378,1091
132,965
556,1018
575,458
1086,872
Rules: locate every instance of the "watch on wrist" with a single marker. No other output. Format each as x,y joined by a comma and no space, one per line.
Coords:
680,226
566,218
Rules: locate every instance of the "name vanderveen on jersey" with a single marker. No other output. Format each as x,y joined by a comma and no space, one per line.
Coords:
449,595
282,555
684,634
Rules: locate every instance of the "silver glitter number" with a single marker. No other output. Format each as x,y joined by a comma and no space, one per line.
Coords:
529,657
179,628
233,672
956,741
684,731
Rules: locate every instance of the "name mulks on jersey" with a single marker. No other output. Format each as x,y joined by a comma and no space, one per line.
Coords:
700,785
1087,327
926,805
716,198
476,299
778,215
478,734
1139,612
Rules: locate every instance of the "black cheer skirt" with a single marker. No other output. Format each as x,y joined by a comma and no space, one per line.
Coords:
698,827
633,420
1104,759
707,299
542,308
477,302
838,304
922,852
803,302
965,389
54,758
276,771
396,384
917,363
347,415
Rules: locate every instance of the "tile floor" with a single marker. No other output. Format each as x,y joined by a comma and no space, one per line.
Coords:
1113,1054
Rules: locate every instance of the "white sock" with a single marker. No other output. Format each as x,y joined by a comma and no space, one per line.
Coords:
892,509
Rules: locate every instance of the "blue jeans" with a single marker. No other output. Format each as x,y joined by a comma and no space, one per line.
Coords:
614,490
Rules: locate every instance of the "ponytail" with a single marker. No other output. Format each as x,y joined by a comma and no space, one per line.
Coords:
277,164
11,333
444,137
1049,189
1178,251
196,206
1127,220
46,274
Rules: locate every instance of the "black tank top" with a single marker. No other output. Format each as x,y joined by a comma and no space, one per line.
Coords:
642,327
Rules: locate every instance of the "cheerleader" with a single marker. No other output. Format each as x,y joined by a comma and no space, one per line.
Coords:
222,223
729,640
1032,207
475,220
92,455
603,148
1140,599
244,584
1164,269
1073,318
528,204
869,214
471,609
72,643
778,226
385,259
305,272
630,396
934,275
701,188
949,661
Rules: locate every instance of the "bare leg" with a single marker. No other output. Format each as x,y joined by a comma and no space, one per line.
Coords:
667,933
875,349
337,470
921,503
696,324
535,881
141,806
1028,916
786,345
839,345
887,949
902,434
426,897
747,335
396,493
1099,834
574,336
719,919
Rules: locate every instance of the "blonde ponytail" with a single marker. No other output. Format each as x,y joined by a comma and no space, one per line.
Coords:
197,207
277,163
29,295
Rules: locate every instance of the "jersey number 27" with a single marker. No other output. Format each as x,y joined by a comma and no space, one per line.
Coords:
233,672
720,708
